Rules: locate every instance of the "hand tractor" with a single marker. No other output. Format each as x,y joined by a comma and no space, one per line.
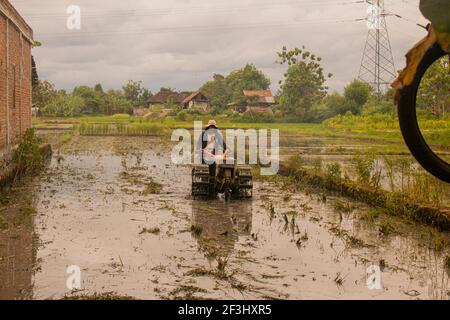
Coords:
234,181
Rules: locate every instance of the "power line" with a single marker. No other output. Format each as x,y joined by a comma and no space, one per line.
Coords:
184,10
204,28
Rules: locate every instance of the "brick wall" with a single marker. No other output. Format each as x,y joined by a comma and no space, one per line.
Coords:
15,75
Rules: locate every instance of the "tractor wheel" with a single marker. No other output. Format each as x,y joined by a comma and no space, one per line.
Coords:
408,120
200,181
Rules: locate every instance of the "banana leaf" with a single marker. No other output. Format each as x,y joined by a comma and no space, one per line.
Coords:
438,12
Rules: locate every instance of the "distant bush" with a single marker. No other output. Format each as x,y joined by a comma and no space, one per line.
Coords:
351,122
378,107
278,114
218,110
182,115
258,117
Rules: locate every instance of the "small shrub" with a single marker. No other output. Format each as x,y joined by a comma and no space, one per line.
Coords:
317,165
333,171
27,155
294,163
182,115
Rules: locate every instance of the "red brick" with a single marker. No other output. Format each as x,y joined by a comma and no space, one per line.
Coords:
15,75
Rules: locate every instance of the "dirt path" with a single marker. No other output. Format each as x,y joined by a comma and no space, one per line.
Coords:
98,207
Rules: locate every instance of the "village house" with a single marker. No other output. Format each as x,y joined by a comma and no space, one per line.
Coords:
167,98
196,101
16,41
257,100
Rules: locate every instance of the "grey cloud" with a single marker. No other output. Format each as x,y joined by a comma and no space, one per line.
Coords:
182,43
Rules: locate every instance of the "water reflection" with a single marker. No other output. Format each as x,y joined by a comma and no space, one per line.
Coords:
218,225
17,249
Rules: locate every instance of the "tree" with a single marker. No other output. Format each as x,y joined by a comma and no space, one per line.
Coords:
64,105
135,92
116,102
304,83
98,87
434,90
247,78
217,91
357,94
336,104
93,99
43,93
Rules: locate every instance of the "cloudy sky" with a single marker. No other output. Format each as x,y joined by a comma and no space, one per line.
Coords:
182,43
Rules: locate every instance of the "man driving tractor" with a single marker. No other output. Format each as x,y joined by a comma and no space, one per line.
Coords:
207,145
229,179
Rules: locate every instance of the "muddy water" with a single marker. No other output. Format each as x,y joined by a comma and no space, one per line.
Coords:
94,209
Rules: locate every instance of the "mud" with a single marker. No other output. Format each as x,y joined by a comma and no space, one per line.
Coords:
121,211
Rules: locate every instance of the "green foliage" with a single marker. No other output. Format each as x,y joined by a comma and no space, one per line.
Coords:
121,116
331,105
85,100
437,12
224,90
434,90
218,110
295,162
135,92
27,156
304,83
373,107
115,102
356,95
121,129
436,130
357,91
333,171
256,117
99,88
43,92
92,99
63,105
247,78
350,122
217,91
367,171
182,115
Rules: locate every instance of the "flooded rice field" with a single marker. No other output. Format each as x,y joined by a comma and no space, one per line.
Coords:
121,211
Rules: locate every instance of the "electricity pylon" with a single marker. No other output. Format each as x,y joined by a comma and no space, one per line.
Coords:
377,65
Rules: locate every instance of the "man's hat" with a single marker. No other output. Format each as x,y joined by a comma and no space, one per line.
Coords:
212,123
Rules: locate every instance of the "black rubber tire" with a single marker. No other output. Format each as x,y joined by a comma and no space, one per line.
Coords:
408,121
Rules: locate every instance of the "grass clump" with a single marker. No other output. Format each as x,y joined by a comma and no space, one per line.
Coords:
99,296
386,229
152,188
27,156
367,172
333,171
196,230
342,206
154,230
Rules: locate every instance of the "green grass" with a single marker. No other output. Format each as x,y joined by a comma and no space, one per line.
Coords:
382,127
121,129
